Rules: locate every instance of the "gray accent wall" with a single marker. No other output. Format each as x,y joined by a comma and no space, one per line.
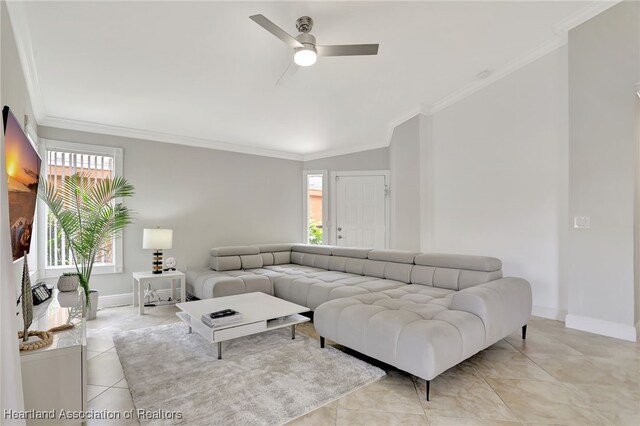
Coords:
373,159
404,158
208,197
604,68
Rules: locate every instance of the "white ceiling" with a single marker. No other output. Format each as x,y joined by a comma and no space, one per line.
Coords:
206,73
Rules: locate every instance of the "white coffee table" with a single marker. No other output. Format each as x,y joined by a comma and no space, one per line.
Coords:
260,313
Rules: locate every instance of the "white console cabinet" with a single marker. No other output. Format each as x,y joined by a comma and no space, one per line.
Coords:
55,377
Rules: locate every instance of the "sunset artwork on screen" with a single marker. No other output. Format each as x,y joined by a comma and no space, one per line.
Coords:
23,170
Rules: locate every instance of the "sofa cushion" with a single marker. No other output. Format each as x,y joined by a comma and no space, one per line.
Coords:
357,253
422,275
330,276
379,285
270,248
459,261
337,263
281,257
205,283
398,256
251,261
309,259
234,250
374,268
225,263
398,272
354,266
267,259
312,249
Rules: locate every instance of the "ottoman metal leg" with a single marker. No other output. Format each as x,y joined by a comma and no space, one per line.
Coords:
322,342
219,350
428,382
524,332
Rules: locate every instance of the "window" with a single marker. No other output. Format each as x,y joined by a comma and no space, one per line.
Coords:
62,159
315,206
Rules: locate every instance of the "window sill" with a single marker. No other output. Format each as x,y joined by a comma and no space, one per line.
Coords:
56,271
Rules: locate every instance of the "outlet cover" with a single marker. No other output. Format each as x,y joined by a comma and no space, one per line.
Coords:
582,222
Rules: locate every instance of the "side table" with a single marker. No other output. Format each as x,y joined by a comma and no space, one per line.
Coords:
140,279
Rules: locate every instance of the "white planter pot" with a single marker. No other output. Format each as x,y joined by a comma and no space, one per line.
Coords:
68,283
93,309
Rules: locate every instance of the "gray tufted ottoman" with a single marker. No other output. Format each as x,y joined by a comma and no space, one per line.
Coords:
426,330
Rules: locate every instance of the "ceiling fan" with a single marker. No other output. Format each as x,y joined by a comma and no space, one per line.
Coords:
305,49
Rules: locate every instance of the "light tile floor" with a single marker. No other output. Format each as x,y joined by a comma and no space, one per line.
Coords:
556,376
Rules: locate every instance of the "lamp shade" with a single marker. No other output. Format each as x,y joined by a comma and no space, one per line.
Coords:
157,238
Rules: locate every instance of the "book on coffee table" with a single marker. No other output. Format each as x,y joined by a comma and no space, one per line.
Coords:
222,318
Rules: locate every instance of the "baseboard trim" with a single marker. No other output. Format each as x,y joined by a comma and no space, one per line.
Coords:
549,313
123,299
598,326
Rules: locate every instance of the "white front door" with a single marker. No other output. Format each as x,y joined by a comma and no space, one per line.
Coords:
361,211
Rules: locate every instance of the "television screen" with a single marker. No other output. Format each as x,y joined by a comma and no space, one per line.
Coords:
23,171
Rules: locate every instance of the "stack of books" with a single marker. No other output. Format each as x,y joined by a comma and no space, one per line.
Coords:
222,318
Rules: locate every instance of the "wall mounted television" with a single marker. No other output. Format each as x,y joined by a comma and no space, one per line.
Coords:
23,172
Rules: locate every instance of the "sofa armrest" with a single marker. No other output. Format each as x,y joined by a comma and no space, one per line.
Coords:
503,305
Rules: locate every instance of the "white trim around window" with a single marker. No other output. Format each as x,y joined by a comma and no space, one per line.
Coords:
45,145
305,203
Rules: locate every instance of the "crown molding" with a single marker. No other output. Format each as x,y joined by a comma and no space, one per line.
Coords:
582,16
127,132
20,25
498,74
342,151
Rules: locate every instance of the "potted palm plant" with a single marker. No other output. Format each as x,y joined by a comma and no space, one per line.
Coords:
89,213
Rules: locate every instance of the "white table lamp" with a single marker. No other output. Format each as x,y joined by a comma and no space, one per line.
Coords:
157,240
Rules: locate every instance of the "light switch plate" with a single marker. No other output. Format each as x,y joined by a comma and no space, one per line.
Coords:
582,222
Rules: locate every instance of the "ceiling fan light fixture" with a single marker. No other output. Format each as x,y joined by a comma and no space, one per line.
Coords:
305,56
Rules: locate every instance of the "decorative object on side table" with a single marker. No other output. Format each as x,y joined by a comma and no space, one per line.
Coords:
170,264
157,239
69,281
90,214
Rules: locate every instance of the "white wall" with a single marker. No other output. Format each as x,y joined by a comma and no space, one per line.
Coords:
404,159
604,68
495,171
209,198
12,92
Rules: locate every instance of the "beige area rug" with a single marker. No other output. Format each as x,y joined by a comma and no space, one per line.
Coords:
264,379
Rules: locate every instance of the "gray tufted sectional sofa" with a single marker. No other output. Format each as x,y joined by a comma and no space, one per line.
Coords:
422,313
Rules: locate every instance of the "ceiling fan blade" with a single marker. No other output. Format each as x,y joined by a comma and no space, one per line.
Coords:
348,50
288,73
276,30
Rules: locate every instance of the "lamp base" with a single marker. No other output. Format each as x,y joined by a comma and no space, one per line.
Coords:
157,262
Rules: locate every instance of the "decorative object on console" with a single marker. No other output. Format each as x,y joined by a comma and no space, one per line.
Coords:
170,264
157,240
69,281
27,300
87,211
41,293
